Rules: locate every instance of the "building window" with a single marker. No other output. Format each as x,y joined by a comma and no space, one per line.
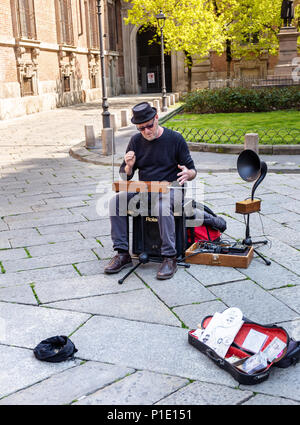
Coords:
66,83
112,25
26,19
27,86
65,24
93,81
92,24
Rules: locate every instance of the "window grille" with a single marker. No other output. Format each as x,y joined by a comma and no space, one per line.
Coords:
26,19
27,86
92,25
112,25
66,83
93,81
65,22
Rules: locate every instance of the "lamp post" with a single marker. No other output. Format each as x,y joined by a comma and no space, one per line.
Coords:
105,111
161,23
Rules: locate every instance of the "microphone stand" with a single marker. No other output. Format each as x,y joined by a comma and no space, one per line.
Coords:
248,241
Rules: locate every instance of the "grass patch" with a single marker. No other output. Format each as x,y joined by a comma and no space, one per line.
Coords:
277,127
34,293
2,269
239,120
74,266
28,253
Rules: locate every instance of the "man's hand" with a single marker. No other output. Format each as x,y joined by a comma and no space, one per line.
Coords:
185,174
129,159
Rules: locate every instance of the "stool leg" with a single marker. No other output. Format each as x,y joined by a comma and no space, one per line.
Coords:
120,281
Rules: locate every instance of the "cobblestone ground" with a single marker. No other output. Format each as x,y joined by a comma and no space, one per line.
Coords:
131,338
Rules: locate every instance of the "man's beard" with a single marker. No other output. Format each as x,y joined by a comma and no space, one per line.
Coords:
154,136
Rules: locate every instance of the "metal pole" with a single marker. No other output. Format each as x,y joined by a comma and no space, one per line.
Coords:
163,76
105,111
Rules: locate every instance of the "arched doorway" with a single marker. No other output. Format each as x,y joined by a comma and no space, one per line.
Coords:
149,64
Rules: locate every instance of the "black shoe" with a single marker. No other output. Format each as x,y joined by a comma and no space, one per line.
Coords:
117,263
167,269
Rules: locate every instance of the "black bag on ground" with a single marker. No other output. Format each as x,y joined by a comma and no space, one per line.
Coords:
207,225
55,349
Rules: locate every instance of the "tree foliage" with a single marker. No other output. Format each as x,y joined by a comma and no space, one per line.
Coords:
250,25
199,26
190,26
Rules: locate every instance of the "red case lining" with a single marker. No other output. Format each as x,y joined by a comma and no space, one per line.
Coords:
242,334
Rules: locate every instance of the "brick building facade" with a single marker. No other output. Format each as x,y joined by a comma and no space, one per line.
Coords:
49,53
49,56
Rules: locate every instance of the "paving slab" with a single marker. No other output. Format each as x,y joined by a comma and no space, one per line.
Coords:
33,217
26,233
281,383
255,303
89,229
290,296
26,326
48,260
22,294
199,393
283,254
13,254
4,243
140,345
64,246
96,267
67,386
22,369
105,250
285,217
265,400
211,275
181,289
141,305
83,286
140,388
22,241
269,277
37,275
89,212
60,219
293,328
192,314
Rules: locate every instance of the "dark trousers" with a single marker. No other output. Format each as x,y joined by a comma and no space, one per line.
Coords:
157,204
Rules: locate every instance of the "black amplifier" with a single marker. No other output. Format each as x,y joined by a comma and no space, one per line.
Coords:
146,236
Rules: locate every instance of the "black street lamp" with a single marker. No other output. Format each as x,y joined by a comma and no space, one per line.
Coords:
161,18
105,111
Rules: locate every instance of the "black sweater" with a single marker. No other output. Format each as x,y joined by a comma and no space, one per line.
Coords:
158,160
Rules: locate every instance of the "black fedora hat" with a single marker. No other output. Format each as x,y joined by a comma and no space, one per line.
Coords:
143,112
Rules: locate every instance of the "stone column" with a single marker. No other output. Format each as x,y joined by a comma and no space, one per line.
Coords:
287,51
251,142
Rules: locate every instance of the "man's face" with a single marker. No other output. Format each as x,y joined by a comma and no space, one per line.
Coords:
149,129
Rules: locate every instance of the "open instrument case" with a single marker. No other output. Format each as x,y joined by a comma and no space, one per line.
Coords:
236,349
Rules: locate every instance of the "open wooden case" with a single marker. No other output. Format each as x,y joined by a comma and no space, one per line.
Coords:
241,260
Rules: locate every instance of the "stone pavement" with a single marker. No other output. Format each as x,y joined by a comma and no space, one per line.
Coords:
131,338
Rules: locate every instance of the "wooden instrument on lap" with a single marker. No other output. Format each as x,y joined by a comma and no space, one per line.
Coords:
141,186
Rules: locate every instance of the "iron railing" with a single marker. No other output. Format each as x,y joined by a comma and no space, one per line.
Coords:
254,82
237,136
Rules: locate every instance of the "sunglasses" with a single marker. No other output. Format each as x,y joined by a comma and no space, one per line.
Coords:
146,126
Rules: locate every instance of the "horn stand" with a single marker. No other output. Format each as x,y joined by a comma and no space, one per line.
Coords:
251,168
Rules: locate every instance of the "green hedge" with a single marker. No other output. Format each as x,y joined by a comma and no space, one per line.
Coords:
242,99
